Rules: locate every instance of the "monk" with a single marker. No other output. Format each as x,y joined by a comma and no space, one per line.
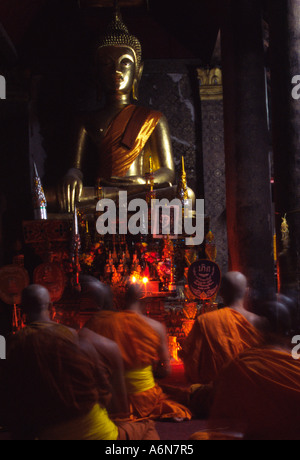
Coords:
51,392
217,337
104,352
143,347
107,350
133,296
35,306
258,393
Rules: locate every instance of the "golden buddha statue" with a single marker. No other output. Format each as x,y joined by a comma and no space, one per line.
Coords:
126,136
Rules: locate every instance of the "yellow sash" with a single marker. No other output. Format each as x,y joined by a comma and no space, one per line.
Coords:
139,380
95,426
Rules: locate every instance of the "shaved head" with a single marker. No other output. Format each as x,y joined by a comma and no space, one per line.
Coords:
94,294
35,300
233,287
134,293
278,316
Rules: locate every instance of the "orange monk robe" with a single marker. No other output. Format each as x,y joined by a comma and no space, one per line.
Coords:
259,393
48,380
125,139
139,345
52,391
216,338
100,357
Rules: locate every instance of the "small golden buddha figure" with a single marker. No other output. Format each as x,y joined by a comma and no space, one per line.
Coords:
126,136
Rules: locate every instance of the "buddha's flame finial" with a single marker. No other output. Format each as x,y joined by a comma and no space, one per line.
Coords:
117,11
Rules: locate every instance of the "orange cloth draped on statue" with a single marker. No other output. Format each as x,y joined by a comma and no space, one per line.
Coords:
259,393
139,345
125,139
216,338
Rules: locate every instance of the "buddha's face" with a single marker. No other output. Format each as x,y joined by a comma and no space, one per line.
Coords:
116,69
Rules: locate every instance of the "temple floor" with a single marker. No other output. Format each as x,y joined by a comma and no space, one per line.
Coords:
172,431
168,431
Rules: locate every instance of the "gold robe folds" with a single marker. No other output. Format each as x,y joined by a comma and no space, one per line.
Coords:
121,147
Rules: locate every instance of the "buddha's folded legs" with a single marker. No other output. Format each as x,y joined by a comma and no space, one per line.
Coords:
89,199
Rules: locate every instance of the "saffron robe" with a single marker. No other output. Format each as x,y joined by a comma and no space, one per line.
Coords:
139,345
96,426
125,139
216,338
258,393
54,390
48,381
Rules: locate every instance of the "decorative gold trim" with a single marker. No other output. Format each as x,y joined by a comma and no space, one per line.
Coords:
211,84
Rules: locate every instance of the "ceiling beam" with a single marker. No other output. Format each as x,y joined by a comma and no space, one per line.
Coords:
109,3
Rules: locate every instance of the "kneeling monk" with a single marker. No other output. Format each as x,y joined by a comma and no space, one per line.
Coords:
258,393
51,391
142,343
217,337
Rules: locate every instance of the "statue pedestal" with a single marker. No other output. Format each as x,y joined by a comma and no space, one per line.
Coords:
48,236
51,241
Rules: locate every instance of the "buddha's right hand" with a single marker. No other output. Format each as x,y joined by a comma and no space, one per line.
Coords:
70,191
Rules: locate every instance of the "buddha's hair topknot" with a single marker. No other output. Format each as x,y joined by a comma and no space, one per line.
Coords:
117,34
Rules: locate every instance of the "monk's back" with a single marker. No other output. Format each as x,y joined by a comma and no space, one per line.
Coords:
216,338
48,380
224,326
138,342
260,391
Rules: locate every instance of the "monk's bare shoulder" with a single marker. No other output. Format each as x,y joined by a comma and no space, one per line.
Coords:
159,328
260,323
99,342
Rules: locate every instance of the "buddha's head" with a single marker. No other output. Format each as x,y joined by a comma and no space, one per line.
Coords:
119,59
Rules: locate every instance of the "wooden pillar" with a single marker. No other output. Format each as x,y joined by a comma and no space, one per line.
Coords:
284,21
248,189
